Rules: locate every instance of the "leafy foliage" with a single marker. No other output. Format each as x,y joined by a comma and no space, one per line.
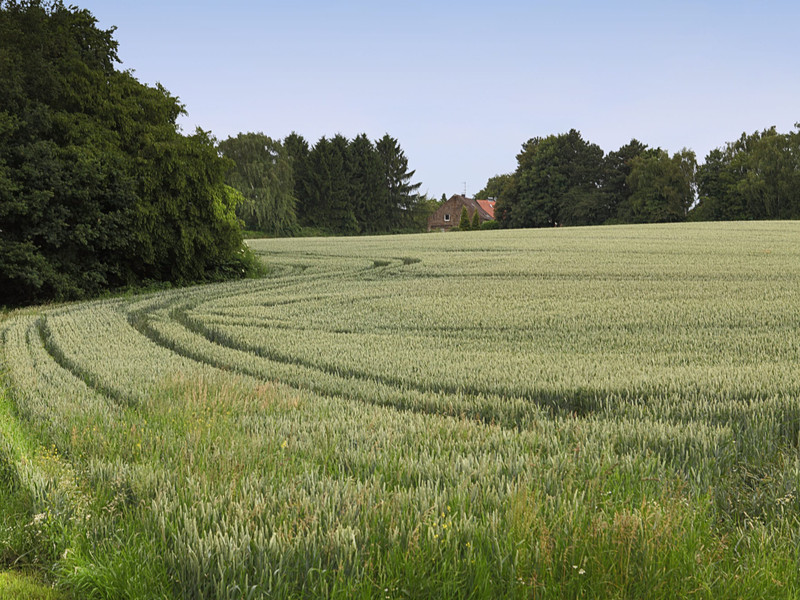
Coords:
662,188
98,189
557,182
616,190
755,177
495,187
263,175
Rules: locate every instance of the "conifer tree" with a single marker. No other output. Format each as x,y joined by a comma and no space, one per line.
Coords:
399,196
464,223
365,174
329,203
298,151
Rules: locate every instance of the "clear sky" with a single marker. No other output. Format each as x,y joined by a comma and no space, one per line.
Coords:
462,85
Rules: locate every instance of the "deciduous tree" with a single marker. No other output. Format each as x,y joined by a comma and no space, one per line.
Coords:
98,189
263,174
662,187
495,186
617,167
557,181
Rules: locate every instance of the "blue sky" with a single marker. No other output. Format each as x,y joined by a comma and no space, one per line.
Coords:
463,85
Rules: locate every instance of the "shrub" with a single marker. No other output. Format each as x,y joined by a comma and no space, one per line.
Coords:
463,223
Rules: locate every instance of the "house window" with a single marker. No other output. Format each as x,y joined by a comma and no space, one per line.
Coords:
447,218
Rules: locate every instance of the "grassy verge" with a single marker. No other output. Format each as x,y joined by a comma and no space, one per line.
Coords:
17,545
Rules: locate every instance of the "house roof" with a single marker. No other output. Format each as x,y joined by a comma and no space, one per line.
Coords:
487,206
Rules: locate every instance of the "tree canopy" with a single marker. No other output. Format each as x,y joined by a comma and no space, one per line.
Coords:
98,188
263,175
557,181
562,179
755,177
662,187
495,187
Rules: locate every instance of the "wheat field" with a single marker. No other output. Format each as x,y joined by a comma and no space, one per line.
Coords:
593,412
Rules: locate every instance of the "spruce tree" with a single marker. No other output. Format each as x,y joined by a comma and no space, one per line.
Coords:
329,203
399,197
365,175
298,151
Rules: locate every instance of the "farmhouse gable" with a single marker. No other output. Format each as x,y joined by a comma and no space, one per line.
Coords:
448,215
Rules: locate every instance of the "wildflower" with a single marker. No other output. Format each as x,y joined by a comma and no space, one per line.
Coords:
582,572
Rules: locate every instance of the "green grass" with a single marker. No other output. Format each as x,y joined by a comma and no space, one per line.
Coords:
17,586
598,412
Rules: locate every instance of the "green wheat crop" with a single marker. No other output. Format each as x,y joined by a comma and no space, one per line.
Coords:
597,412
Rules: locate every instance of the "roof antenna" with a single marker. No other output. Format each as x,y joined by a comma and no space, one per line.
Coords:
465,189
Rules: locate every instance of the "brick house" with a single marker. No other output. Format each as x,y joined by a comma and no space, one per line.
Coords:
448,215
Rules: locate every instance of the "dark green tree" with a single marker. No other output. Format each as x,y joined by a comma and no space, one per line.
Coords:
719,198
297,149
263,174
329,189
365,173
754,177
342,210
662,187
495,187
615,189
769,175
399,197
464,223
557,181
98,189
423,207
476,220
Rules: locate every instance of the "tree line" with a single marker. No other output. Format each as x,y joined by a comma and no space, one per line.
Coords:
336,186
98,187
566,180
